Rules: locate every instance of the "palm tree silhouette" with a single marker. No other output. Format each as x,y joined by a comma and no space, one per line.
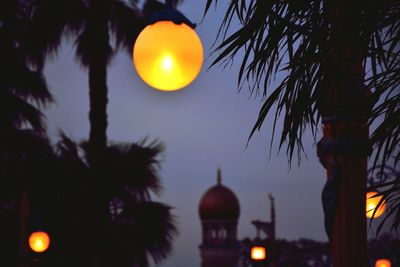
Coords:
100,22
23,92
22,86
138,226
337,59
99,28
33,31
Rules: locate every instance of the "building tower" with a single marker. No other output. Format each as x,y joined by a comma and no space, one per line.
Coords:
219,212
269,230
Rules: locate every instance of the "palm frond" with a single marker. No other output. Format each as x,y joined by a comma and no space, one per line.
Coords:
17,113
297,39
141,228
70,155
126,22
147,228
23,86
29,85
134,168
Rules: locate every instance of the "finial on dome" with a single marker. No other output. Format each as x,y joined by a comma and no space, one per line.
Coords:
219,176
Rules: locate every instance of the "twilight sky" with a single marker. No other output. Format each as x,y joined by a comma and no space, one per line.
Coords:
202,127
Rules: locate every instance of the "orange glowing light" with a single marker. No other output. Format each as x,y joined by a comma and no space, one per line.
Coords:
39,241
168,56
258,253
372,203
383,263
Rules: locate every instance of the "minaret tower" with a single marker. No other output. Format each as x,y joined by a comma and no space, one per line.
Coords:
219,212
273,216
269,229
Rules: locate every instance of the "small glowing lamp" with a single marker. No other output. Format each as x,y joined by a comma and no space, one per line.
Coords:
383,263
258,253
372,203
39,241
168,53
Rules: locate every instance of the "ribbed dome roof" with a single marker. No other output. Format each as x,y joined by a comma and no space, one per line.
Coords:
219,203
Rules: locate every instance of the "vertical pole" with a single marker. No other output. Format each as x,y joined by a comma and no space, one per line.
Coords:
273,231
348,222
343,151
344,148
24,212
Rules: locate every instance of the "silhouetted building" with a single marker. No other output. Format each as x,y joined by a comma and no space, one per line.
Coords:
219,212
268,228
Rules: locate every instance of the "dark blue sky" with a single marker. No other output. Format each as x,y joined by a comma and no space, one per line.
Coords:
202,126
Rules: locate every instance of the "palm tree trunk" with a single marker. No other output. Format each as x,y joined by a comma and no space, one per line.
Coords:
98,78
98,130
98,105
344,148
344,151
346,162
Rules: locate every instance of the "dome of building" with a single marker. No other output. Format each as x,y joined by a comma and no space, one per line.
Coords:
219,203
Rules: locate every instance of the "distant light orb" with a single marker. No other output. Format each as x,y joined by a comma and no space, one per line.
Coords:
39,241
372,203
383,263
168,56
258,253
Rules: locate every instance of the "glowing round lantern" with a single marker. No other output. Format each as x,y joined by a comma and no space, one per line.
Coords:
258,253
39,241
372,203
168,56
383,263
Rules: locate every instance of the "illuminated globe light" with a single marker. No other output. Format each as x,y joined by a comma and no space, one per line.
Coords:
383,263
372,203
168,56
39,241
258,253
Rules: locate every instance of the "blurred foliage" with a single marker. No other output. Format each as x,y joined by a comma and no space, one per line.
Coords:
99,215
63,200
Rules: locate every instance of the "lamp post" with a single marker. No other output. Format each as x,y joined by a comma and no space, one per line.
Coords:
168,54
